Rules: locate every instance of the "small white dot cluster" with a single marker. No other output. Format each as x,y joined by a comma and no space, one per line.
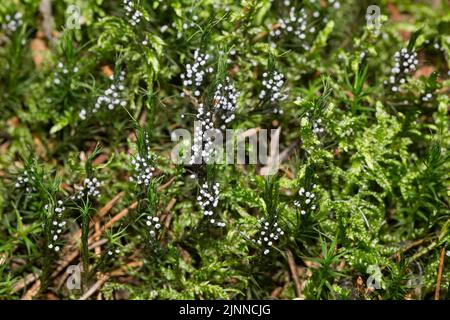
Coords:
12,23
317,127
225,100
143,169
82,114
90,189
203,146
208,200
405,63
143,165
195,73
113,252
112,96
267,235
26,180
273,83
57,226
190,16
153,225
91,186
336,4
219,5
427,97
296,24
63,72
348,132
186,25
307,200
164,28
435,45
133,14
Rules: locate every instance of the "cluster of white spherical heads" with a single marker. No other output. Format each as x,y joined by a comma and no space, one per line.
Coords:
143,169
225,101
427,97
12,23
111,97
306,201
316,123
296,24
195,73
267,235
273,83
90,189
317,126
300,24
208,200
113,252
57,225
26,180
132,13
153,225
203,145
63,72
405,63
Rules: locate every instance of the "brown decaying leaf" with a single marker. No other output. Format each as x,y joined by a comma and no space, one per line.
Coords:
38,50
424,71
107,71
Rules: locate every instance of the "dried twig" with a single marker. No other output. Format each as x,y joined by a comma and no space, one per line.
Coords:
45,7
95,287
430,247
33,291
165,185
111,222
120,271
97,244
98,250
411,245
167,217
439,275
107,207
22,283
276,292
293,267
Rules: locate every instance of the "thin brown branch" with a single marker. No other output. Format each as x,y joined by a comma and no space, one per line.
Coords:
293,267
98,250
45,7
121,271
95,287
24,282
167,184
32,291
439,275
111,222
96,245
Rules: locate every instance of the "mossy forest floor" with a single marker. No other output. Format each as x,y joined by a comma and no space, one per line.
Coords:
94,205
